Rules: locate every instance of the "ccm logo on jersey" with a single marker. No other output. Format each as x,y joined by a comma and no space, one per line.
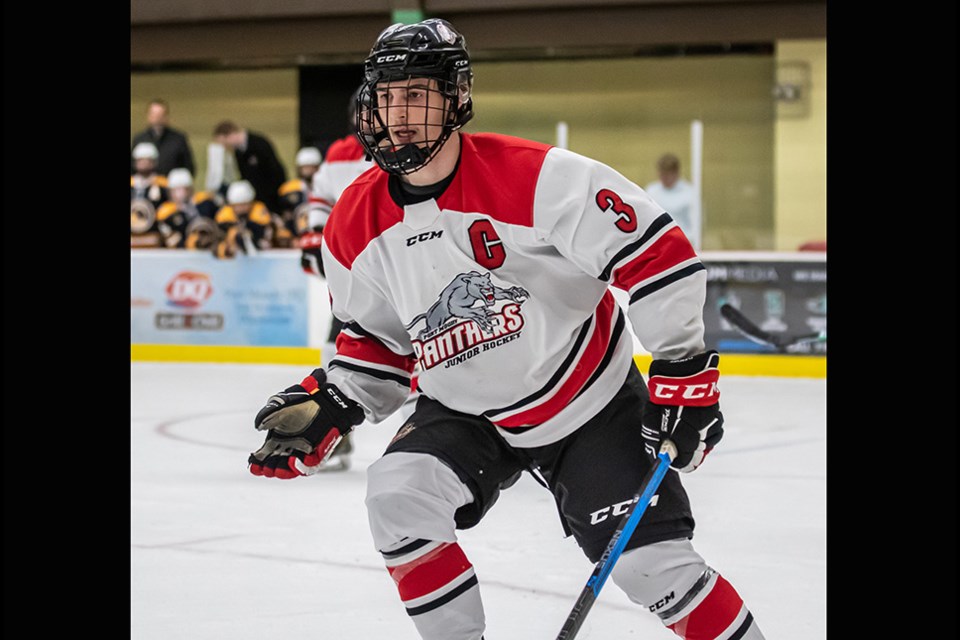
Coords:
617,509
423,237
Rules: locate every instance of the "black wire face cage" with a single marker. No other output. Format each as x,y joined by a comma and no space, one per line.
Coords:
403,123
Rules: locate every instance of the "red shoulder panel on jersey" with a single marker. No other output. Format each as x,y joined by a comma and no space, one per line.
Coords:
364,212
502,172
346,149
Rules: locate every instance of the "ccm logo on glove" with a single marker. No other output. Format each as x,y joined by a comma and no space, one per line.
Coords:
694,394
690,382
333,396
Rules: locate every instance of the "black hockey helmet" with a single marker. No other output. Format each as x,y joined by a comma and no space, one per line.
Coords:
428,49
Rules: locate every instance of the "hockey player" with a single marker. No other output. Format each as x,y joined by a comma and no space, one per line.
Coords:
245,224
489,259
148,190
294,196
186,220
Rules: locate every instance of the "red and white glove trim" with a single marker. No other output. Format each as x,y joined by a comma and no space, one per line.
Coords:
688,382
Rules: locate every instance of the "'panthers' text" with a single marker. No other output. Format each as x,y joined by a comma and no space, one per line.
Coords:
464,336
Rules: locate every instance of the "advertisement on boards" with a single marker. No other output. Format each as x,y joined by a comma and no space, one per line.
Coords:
782,296
192,298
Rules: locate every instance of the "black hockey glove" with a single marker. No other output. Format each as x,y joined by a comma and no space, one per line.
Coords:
310,260
303,423
684,407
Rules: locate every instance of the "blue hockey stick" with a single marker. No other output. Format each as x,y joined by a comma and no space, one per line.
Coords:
617,542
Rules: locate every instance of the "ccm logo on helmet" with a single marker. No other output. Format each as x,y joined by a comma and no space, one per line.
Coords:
393,57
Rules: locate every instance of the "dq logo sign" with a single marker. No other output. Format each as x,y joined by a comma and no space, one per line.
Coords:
189,289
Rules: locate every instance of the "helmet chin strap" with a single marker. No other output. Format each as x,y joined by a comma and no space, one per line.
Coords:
409,155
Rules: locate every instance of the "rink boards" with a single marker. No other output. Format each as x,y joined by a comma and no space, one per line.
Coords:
187,306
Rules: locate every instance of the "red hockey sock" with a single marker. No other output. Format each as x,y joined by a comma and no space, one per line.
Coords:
721,615
430,575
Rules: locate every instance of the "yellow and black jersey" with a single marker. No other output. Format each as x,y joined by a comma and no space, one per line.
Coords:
244,233
293,192
187,225
146,196
294,197
206,203
152,189
200,204
258,215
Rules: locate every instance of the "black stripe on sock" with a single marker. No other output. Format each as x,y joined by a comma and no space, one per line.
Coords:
405,549
742,631
444,599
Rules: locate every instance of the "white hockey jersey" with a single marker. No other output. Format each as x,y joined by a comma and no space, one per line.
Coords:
500,288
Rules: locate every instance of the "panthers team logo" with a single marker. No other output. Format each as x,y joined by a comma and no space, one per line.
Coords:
466,320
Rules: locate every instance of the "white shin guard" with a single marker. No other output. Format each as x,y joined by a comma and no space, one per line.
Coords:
413,496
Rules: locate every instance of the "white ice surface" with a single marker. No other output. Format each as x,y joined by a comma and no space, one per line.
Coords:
217,553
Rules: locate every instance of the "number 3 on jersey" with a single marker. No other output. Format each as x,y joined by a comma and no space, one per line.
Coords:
626,216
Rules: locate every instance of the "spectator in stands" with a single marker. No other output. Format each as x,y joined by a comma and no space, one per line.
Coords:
187,219
308,162
294,196
148,190
245,223
677,196
256,160
173,147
